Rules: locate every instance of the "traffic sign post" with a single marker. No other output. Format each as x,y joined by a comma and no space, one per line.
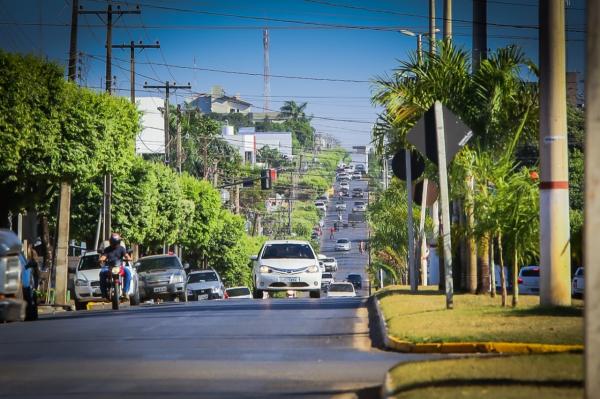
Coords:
411,236
439,135
443,172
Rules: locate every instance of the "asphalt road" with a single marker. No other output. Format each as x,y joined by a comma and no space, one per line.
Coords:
210,349
349,262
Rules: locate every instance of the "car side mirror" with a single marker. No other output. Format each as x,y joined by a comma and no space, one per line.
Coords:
254,257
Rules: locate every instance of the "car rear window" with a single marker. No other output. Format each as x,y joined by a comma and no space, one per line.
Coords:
530,273
292,251
343,241
341,287
204,276
166,262
329,260
354,277
89,262
233,292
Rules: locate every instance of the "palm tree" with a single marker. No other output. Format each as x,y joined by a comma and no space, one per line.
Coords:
495,102
293,111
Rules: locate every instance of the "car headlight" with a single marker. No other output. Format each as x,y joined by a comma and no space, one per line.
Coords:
215,289
81,283
313,269
264,269
176,279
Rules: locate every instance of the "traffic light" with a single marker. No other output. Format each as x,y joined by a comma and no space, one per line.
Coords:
265,179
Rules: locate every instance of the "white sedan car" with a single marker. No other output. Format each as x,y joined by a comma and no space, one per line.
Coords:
283,265
343,244
344,185
321,206
330,264
340,290
529,280
238,293
359,206
340,206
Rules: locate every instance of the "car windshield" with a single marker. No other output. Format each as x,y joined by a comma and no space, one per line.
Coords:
163,262
530,272
203,276
293,251
326,275
343,241
359,203
329,260
340,288
354,277
89,262
233,292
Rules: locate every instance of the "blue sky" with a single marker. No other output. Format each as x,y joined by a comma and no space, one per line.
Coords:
227,35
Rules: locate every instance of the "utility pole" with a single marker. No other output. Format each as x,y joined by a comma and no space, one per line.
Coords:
64,210
432,29
108,84
413,277
447,20
555,253
178,141
132,46
167,87
592,203
479,48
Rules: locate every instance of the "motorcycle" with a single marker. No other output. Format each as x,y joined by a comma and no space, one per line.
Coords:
114,283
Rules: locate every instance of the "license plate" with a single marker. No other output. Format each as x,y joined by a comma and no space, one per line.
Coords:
160,289
203,296
96,292
289,279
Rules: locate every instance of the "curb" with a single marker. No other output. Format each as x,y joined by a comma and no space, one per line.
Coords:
393,343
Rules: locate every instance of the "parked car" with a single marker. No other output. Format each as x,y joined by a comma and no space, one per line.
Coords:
345,185
358,193
17,295
286,264
529,280
359,206
321,206
87,282
204,284
356,280
340,206
238,293
356,176
161,277
330,264
360,167
326,279
342,176
343,244
578,283
340,290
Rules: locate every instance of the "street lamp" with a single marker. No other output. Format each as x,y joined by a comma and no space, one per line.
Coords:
419,36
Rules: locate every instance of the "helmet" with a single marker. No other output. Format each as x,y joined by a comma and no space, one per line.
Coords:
115,239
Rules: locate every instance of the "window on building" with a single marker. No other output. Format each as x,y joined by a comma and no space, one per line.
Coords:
248,156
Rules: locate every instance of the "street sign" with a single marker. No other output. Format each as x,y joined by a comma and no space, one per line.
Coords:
423,135
432,193
417,165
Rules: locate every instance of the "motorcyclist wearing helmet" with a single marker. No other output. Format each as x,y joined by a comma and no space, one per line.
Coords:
111,255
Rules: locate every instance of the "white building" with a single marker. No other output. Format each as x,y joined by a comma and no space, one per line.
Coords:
220,103
151,139
248,142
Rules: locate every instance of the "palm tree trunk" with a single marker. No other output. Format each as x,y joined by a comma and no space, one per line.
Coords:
515,272
502,274
492,268
483,265
471,244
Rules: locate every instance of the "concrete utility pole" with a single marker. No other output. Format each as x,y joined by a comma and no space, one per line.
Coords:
178,141
108,84
422,236
432,29
447,20
555,248
414,278
132,46
592,203
479,47
167,87
64,210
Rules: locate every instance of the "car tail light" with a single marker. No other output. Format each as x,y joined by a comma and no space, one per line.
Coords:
225,295
520,280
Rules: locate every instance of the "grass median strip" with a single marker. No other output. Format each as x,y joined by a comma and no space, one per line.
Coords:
423,318
545,376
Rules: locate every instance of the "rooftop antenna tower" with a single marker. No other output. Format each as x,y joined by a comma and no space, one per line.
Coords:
266,72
